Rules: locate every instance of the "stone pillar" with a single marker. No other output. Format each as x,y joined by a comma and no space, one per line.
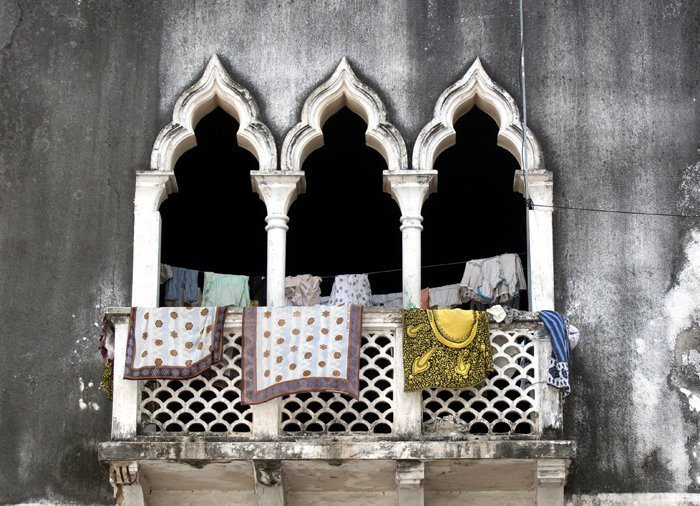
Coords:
540,245
551,477
278,190
548,400
130,486
409,189
409,482
152,188
269,483
125,405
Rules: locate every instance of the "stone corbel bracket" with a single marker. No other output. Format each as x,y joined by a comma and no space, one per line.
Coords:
342,89
214,88
474,88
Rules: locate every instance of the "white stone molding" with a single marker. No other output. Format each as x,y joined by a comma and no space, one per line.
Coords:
152,188
474,88
409,482
409,189
342,89
278,191
130,486
540,245
126,393
270,489
214,88
550,481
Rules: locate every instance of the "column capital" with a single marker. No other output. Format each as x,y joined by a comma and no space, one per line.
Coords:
278,190
269,483
152,188
540,184
410,188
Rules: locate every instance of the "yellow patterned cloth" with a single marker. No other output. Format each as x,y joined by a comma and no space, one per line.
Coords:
445,348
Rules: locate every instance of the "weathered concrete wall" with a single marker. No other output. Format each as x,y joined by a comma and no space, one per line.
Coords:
75,123
612,89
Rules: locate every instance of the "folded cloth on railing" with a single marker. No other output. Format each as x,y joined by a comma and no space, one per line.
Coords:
173,342
445,348
300,349
558,373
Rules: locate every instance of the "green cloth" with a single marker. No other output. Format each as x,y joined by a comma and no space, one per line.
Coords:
225,290
445,348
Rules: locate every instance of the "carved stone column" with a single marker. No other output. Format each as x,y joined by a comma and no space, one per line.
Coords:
409,189
409,482
130,486
540,245
269,483
551,478
278,190
152,188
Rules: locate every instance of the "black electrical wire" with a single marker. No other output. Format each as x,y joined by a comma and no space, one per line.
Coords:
618,211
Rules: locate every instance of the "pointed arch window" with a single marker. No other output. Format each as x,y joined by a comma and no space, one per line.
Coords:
476,88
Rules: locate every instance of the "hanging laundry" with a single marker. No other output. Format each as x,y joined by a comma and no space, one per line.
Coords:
225,290
172,343
387,299
445,348
166,272
558,373
351,289
574,336
107,352
444,297
302,290
425,298
493,280
300,349
258,290
182,288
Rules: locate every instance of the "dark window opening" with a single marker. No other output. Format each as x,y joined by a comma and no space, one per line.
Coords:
475,213
215,222
345,223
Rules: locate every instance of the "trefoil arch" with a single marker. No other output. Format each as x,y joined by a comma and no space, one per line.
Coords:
475,88
215,88
343,89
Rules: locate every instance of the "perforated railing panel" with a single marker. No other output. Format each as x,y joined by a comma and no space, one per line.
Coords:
209,403
502,405
371,413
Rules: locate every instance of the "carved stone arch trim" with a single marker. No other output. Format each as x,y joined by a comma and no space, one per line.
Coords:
475,88
214,88
342,89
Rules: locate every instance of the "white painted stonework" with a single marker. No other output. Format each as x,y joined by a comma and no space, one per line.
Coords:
215,88
343,89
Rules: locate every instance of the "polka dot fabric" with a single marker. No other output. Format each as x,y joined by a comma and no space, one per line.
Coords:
300,349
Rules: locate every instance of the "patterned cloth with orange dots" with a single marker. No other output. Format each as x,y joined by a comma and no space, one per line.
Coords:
173,342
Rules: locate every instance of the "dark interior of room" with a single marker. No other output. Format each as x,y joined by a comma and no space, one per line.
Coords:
344,223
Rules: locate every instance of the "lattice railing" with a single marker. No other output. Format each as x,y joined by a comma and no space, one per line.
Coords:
207,403
372,412
504,404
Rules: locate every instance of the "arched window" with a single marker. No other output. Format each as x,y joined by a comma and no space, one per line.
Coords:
476,88
214,89
344,223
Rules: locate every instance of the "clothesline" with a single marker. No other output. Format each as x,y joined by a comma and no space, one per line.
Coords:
431,266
